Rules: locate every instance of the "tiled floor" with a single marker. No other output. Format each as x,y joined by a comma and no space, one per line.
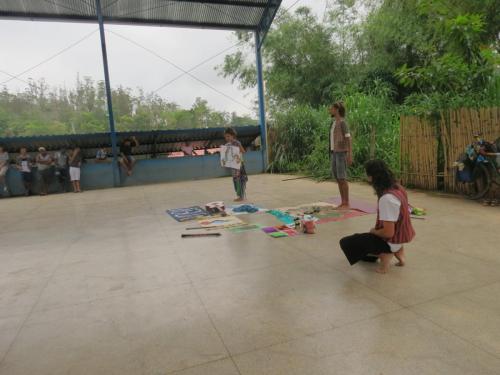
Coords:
102,283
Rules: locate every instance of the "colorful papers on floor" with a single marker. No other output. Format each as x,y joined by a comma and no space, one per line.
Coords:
285,218
280,231
221,222
308,209
245,228
322,212
188,213
278,234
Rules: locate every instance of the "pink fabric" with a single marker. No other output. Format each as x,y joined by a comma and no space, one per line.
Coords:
345,215
359,205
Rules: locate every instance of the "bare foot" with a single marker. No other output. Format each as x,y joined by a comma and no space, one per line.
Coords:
343,207
385,262
400,256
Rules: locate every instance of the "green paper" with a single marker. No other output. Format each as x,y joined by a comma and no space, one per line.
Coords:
278,234
245,228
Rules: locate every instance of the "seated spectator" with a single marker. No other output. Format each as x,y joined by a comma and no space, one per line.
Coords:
24,164
62,168
75,163
126,159
45,165
101,155
188,149
4,168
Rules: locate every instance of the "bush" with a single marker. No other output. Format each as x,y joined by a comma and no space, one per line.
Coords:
301,135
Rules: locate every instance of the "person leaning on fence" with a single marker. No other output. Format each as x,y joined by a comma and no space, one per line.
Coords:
24,164
126,159
393,227
4,168
45,165
340,151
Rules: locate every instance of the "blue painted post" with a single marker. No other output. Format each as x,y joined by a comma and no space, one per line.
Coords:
262,106
114,148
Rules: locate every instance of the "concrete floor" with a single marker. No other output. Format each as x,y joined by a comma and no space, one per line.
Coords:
102,283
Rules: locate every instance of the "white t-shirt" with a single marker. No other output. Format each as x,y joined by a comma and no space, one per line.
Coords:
389,208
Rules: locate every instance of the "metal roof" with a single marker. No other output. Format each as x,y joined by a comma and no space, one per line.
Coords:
151,142
255,15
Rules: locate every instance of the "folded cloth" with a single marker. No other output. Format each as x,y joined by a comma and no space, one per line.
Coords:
250,208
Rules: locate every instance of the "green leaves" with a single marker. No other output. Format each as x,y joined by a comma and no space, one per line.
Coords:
41,110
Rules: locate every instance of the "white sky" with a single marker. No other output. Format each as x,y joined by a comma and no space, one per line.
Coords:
24,44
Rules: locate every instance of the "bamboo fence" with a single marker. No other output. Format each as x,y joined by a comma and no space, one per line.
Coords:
420,151
457,131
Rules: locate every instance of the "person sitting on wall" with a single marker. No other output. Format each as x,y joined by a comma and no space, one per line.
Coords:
393,227
126,158
188,149
101,155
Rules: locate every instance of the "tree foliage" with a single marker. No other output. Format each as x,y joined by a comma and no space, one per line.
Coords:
40,110
382,57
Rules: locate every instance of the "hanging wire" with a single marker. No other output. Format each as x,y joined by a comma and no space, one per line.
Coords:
214,56
14,77
184,72
65,49
181,69
196,66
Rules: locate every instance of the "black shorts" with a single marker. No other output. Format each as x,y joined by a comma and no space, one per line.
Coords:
27,177
359,245
47,175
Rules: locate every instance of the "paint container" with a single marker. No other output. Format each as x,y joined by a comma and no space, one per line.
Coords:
308,225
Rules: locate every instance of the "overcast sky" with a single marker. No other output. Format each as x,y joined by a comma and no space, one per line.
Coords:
24,44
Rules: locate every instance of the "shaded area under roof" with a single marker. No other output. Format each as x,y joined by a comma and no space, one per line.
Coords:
151,142
255,15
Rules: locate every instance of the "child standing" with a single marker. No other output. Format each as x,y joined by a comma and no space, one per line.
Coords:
75,163
240,177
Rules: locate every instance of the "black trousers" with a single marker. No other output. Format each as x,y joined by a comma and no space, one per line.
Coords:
358,247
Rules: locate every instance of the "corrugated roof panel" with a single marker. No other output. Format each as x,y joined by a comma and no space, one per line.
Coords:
159,140
224,14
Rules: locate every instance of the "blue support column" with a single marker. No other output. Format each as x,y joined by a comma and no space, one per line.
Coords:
262,105
114,147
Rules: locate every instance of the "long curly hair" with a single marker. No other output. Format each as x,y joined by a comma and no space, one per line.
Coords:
382,177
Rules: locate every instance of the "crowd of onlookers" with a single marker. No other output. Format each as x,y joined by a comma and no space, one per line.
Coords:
63,165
